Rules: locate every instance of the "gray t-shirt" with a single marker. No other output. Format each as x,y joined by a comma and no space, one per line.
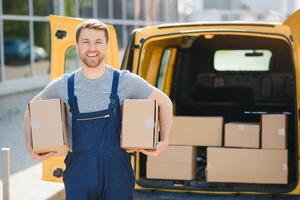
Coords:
93,94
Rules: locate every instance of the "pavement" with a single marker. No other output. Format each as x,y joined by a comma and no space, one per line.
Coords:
27,185
11,132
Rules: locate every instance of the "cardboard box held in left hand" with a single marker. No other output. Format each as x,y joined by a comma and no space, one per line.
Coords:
48,126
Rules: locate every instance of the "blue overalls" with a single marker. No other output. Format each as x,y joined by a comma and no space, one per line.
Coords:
97,168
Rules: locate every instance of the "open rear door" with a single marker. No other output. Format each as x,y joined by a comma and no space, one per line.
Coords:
293,22
63,37
63,34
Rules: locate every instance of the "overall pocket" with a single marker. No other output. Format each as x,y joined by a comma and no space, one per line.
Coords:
87,132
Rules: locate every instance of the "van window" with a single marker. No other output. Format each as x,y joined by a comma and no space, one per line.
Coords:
242,60
72,61
163,69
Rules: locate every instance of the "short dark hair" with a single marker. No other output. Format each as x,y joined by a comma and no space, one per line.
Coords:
91,24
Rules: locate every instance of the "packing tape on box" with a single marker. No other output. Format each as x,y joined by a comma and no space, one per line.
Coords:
284,167
35,124
281,132
149,123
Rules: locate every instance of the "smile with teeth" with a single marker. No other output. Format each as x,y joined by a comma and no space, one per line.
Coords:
92,54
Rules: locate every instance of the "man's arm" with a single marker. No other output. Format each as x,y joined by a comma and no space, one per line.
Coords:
51,91
165,121
28,135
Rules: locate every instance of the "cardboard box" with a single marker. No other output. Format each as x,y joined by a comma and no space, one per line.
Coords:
241,135
197,131
139,124
48,126
247,165
175,163
274,131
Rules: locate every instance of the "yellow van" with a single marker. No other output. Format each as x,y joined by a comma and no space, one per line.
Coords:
237,70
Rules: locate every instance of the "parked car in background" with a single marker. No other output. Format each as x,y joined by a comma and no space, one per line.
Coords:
17,52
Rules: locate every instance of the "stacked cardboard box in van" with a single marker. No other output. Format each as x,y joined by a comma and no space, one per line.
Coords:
244,135
175,163
246,163
274,131
178,162
197,131
241,161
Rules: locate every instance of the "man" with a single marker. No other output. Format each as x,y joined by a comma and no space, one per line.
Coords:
96,166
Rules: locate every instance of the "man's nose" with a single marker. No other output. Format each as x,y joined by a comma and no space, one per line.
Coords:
92,46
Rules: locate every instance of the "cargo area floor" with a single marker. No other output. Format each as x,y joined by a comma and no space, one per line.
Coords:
154,195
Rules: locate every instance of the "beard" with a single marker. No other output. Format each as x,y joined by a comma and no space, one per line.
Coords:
92,62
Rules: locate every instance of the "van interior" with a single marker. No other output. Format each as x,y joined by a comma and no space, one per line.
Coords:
205,83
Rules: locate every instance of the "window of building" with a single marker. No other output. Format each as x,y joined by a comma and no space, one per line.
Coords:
41,48
86,8
69,8
103,9
117,11
130,9
20,41
16,7
17,49
43,8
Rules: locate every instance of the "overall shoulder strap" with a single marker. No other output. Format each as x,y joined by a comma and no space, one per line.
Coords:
71,96
115,83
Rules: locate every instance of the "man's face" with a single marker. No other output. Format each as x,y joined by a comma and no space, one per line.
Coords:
92,47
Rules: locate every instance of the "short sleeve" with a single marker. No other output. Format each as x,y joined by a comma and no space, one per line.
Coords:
55,89
134,86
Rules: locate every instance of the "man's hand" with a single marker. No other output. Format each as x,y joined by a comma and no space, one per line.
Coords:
161,146
41,156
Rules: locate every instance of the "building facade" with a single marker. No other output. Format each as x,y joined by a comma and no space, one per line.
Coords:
25,32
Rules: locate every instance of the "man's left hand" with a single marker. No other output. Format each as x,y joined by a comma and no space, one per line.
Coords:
161,146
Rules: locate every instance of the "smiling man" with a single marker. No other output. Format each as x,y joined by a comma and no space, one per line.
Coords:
96,166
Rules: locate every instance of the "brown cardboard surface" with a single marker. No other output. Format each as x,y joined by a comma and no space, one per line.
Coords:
139,124
175,163
197,131
241,135
171,171
274,131
179,154
48,126
247,165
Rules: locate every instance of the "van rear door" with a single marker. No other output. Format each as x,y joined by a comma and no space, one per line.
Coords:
293,23
63,37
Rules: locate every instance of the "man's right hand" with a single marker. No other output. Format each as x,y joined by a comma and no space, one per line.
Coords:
41,156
